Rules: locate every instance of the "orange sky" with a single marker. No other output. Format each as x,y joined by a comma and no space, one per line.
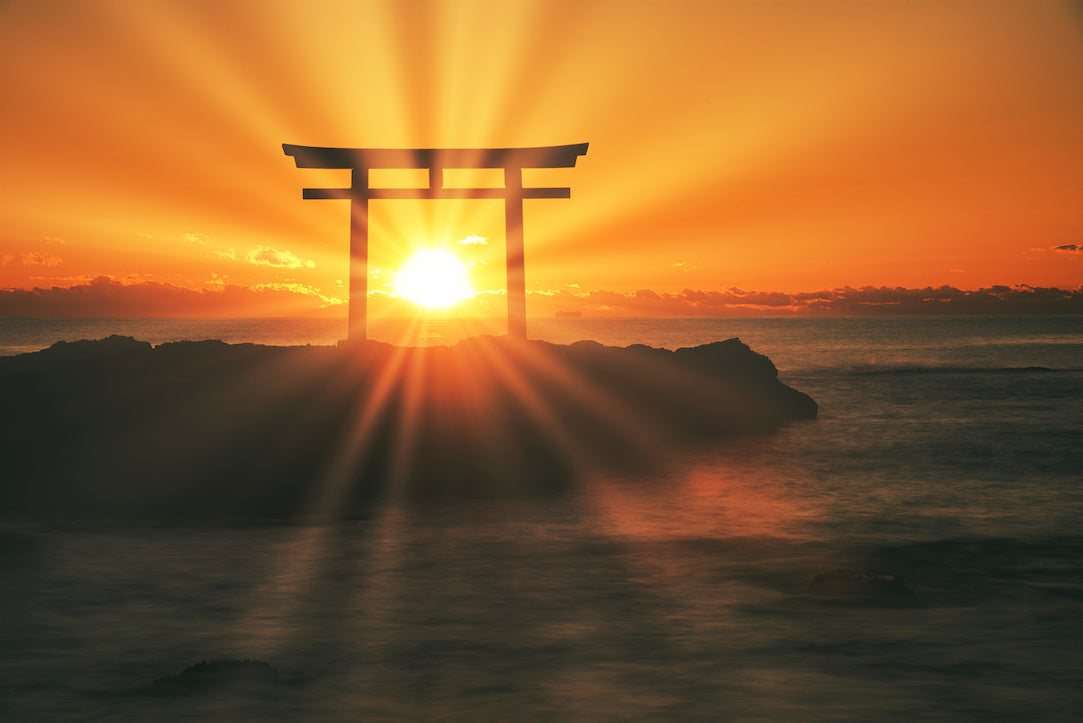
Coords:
771,146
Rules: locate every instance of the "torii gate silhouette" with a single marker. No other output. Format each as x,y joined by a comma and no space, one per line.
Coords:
361,160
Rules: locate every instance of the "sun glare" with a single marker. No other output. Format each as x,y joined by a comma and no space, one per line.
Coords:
434,279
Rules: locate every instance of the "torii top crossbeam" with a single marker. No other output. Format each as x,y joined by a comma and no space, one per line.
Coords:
539,157
361,160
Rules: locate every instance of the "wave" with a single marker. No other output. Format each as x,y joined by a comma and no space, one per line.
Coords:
911,369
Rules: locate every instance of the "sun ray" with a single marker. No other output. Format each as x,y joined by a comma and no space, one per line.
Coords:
355,446
612,413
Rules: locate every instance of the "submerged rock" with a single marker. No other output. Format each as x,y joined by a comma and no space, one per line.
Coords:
218,676
853,587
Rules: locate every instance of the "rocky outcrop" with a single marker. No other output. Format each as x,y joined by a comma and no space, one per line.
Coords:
191,428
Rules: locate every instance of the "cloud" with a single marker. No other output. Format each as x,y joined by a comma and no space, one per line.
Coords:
845,301
108,297
297,288
35,258
1069,249
55,240
267,256
260,256
476,240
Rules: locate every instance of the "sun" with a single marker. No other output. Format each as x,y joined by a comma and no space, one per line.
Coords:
434,279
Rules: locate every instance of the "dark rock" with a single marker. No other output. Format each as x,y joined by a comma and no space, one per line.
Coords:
207,428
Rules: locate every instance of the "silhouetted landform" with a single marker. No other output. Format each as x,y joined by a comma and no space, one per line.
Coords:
117,426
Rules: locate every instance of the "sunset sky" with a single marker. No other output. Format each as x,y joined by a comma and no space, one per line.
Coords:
738,149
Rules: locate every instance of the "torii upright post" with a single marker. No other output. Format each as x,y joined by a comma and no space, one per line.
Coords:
361,160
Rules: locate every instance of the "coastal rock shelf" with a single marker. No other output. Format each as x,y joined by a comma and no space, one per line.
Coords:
116,426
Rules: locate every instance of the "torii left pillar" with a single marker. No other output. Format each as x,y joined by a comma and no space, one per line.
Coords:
361,160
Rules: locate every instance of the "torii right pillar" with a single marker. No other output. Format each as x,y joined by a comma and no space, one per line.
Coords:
515,251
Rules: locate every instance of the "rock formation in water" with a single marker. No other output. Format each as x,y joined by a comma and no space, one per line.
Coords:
117,426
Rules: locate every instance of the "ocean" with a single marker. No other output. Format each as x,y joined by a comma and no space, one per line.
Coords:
915,553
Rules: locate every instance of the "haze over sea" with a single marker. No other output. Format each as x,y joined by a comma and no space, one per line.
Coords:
947,455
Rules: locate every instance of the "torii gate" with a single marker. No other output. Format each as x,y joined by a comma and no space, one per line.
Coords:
361,160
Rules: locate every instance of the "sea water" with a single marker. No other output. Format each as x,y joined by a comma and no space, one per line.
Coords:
947,455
